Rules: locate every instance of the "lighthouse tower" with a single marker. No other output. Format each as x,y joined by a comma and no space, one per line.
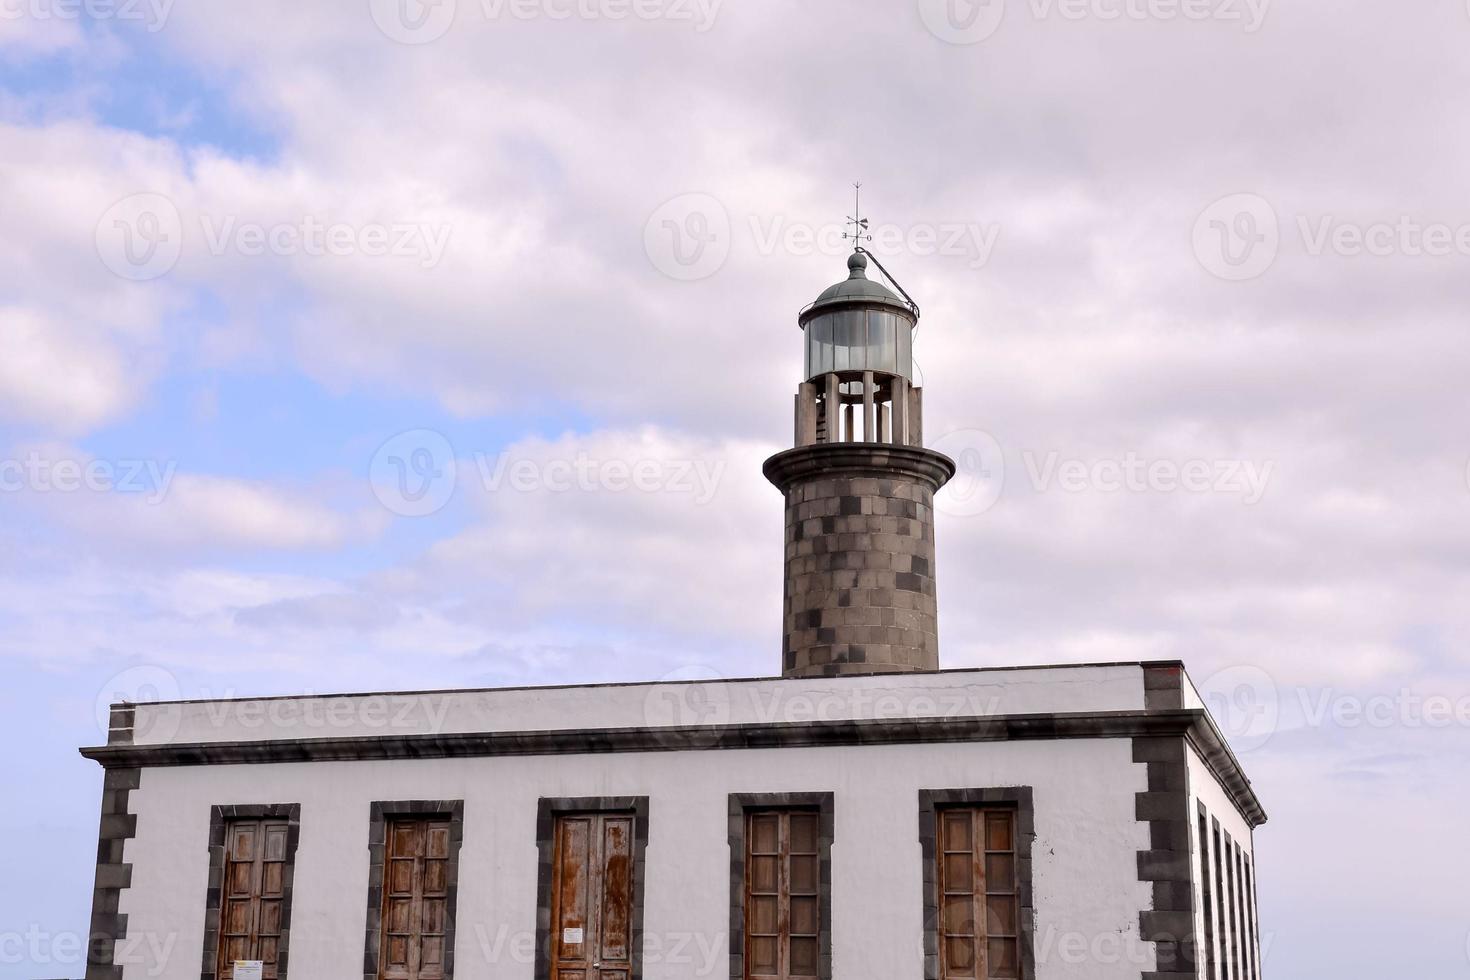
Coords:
859,486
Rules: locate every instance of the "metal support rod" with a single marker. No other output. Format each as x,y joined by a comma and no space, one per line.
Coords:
889,275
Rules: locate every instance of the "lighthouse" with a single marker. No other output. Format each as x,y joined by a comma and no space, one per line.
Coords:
859,485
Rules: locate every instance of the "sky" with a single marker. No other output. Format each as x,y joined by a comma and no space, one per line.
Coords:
400,344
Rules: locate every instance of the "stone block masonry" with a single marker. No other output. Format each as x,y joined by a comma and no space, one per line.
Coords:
860,594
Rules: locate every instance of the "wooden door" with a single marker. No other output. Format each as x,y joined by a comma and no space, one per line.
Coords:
592,897
979,929
253,893
415,900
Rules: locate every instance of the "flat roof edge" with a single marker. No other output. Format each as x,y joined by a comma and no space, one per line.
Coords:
951,671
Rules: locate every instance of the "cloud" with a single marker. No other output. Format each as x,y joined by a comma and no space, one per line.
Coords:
86,344
52,379
325,611
664,536
242,514
132,504
24,36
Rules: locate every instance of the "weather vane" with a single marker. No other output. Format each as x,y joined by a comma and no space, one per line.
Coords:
859,233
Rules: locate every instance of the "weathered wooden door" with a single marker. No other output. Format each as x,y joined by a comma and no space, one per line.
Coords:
592,897
253,893
415,900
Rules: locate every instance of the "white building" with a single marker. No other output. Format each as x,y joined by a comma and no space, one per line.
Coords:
866,816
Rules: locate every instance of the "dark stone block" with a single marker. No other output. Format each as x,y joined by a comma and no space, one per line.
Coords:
1163,866
909,582
1162,806
1167,926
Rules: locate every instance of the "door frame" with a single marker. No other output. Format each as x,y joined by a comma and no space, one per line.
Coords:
547,810
220,816
380,814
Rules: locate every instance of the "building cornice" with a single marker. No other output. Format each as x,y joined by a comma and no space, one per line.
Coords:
1193,724
880,460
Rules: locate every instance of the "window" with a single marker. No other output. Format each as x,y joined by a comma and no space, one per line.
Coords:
1233,910
979,915
978,905
824,329
415,900
781,885
1220,899
1242,913
253,895
858,340
1253,939
783,900
1212,969
905,364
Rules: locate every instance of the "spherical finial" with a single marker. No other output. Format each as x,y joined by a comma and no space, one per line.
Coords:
857,266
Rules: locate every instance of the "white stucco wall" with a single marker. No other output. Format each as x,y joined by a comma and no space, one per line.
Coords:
1085,864
944,694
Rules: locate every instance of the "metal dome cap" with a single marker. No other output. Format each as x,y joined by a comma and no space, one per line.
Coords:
857,290
859,325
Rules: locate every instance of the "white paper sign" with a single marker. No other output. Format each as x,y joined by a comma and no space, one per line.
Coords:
572,937
249,970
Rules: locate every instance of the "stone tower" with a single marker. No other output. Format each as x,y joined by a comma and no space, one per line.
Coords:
859,488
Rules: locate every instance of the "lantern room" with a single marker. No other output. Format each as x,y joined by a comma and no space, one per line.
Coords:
859,364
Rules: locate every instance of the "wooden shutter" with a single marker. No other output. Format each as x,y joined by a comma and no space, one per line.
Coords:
783,894
252,895
979,909
415,900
